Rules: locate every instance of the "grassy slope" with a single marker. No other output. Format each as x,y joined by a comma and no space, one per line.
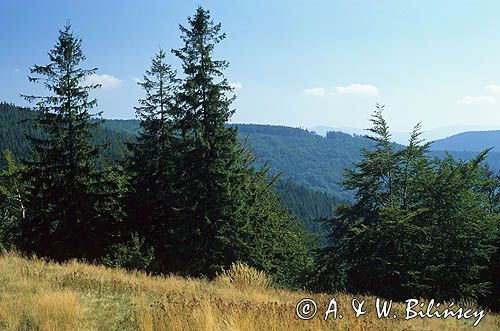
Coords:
75,296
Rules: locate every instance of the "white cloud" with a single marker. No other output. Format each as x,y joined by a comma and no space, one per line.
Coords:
236,85
360,89
495,89
315,91
479,100
106,81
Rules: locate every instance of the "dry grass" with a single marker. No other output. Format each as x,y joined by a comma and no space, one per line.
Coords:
242,277
36,295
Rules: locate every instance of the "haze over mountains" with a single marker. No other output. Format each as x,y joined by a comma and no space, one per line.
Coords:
470,141
399,137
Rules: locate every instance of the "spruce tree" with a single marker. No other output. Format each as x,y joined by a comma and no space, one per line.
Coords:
151,165
71,206
224,210
209,153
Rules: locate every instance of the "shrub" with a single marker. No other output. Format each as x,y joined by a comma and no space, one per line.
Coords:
241,276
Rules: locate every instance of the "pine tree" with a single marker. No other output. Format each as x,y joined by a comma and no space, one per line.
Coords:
71,206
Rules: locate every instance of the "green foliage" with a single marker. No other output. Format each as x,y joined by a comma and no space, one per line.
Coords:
488,185
132,255
71,207
419,227
193,198
228,211
306,204
12,201
151,164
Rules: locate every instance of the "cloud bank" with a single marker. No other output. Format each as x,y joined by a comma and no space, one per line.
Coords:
495,89
478,100
236,85
315,91
106,81
359,89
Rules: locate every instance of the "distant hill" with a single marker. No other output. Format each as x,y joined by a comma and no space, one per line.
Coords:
474,141
302,156
305,157
435,134
316,161
128,126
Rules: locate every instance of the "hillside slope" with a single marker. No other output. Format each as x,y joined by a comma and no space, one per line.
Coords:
474,141
39,295
16,125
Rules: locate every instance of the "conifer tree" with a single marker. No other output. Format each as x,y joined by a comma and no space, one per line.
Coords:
418,227
151,165
223,210
209,152
71,206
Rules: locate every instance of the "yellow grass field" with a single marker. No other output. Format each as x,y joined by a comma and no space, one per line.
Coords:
37,295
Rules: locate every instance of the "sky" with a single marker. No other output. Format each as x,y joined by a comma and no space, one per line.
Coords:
294,63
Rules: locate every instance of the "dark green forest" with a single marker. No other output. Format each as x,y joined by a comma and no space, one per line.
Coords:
179,191
17,123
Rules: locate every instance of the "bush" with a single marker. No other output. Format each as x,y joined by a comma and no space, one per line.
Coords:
134,254
242,276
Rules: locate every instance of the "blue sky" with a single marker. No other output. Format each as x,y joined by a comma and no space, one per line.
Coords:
297,63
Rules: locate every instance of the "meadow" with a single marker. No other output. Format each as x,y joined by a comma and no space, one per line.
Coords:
36,294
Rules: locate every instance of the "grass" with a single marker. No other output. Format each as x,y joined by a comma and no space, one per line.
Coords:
40,295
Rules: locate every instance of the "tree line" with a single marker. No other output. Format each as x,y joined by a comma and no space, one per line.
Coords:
189,199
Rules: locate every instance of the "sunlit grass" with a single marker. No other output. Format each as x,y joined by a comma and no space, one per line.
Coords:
40,295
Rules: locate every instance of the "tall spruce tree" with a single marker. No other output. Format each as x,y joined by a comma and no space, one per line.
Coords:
216,220
71,206
209,151
152,162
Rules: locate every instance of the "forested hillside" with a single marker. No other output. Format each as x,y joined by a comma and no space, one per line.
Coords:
319,162
307,204
300,155
16,124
